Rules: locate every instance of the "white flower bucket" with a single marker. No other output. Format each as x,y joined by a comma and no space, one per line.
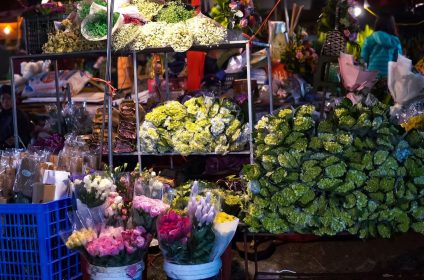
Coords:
128,272
192,272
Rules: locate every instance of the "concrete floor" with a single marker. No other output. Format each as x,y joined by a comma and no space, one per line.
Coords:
401,253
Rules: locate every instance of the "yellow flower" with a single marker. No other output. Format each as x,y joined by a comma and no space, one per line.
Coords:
80,238
223,217
416,122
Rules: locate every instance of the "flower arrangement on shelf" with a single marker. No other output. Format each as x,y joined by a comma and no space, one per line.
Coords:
236,14
136,26
298,56
200,125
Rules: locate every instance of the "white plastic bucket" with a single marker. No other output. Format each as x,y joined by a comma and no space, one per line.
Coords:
192,272
128,272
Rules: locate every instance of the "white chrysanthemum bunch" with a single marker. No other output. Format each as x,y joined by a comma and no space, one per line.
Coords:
123,37
206,31
178,36
152,35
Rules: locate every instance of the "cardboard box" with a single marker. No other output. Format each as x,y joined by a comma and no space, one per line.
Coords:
43,193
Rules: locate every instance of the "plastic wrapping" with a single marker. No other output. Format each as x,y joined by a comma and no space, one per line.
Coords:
9,162
29,173
95,9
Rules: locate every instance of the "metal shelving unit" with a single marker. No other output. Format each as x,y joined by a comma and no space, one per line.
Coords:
246,45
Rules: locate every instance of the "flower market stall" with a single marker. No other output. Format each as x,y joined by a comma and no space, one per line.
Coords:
221,133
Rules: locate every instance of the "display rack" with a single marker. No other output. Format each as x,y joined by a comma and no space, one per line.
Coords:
244,44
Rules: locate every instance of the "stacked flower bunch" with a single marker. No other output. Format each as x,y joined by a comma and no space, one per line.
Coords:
298,56
168,25
68,38
200,125
354,172
193,236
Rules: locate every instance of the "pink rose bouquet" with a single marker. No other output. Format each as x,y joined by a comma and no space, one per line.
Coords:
146,211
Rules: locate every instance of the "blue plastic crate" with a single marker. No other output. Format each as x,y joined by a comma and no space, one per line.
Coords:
30,243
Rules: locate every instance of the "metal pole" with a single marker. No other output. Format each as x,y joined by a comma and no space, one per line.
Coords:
168,91
137,117
58,104
250,101
268,56
108,75
14,107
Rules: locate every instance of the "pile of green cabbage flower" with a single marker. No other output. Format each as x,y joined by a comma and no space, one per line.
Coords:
200,125
354,172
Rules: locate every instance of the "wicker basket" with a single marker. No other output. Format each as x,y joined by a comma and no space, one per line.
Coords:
37,28
335,42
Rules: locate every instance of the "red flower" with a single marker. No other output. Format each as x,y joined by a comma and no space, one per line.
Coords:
173,227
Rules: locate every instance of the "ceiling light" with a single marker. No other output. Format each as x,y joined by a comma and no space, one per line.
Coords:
7,30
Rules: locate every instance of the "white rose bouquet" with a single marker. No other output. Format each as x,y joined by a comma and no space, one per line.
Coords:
93,189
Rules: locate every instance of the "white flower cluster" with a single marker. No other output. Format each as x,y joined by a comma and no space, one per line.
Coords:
206,31
126,34
178,36
98,185
151,36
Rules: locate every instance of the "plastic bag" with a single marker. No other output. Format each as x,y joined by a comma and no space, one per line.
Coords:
95,9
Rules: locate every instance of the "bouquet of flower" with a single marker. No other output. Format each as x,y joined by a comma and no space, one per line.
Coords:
146,210
93,189
112,246
299,57
236,14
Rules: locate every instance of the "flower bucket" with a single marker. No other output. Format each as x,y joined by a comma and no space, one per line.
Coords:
192,272
128,272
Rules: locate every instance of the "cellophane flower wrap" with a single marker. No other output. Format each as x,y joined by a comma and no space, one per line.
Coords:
225,227
189,238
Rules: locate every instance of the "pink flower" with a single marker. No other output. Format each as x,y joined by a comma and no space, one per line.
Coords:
153,207
233,5
346,32
105,246
299,55
173,227
243,23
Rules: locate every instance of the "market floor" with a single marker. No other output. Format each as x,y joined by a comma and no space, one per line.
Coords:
401,253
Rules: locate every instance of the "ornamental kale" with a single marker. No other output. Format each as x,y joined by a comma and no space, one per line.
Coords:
353,172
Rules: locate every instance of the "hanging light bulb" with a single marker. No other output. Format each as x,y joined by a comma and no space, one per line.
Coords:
357,11
7,30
